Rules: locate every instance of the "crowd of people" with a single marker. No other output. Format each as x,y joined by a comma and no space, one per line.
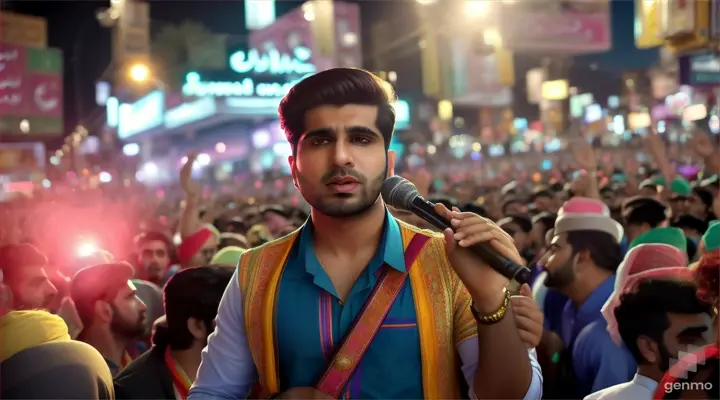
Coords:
315,288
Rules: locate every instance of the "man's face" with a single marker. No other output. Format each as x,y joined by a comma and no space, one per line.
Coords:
685,332
696,207
560,263
32,289
128,319
544,203
205,254
515,207
155,259
341,160
679,206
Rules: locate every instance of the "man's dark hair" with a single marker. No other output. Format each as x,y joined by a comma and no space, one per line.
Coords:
644,210
151,236
193,293
14,257
546,219
604,249
337,87
475,208
644,311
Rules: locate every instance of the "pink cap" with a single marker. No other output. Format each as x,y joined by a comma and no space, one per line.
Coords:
586,214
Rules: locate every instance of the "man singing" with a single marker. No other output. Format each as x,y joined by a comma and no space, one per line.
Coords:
305,315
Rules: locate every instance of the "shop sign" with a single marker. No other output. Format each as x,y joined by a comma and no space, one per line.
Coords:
704,69
284,69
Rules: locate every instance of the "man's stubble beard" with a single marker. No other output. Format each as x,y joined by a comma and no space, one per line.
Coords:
126,329
368,197
562,277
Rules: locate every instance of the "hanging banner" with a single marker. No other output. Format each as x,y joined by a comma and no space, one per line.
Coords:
567,27
687,25
648,28
476,78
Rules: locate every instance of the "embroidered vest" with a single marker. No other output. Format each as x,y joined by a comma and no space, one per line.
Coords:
432,283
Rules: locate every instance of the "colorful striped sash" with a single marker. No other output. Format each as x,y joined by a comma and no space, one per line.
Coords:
180,379
368,322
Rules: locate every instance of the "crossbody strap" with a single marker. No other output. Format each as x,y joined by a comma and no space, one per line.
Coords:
363,329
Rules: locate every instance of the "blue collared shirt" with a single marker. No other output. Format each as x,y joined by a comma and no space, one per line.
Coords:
311,320
598,361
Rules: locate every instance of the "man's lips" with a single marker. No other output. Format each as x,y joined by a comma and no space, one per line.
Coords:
345,180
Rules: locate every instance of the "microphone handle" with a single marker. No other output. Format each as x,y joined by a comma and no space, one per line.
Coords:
508,268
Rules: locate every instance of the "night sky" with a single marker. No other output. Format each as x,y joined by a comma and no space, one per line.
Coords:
73,27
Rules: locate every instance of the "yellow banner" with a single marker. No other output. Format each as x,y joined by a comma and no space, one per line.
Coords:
648,29
505,66
701,36
23,30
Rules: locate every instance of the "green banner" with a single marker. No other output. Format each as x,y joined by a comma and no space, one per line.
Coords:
47,60
38,126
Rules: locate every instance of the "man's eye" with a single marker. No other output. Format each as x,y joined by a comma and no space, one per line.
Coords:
320,142
361,140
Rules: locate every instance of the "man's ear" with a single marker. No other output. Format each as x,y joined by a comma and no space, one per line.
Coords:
390,163
291,162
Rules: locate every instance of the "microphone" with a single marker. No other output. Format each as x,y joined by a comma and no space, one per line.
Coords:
402,194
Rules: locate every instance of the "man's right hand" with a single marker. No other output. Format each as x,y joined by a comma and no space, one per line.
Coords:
303,393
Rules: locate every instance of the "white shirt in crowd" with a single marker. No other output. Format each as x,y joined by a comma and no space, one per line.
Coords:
639,388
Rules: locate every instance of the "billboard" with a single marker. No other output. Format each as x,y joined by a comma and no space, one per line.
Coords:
558,26
22,157
23,30
31,89
483,80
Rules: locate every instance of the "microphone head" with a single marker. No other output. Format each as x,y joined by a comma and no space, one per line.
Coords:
398,192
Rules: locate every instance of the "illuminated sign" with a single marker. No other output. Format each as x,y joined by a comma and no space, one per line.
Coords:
252,62
402,114
144,114
190,112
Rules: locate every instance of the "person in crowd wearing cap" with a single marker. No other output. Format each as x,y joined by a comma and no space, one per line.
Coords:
694,228
658,319
513,206
648,188
151,295
541,224
668,235
700,204
680,191
198,249
709,242
228,256
154,252
270,334
275,218
584,255
113,316
640,214
168,369
544,200
39,360
24,271
233,239
519,227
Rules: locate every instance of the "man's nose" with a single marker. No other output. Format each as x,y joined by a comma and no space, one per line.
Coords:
343,155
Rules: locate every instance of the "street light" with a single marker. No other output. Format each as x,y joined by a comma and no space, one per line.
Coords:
139,73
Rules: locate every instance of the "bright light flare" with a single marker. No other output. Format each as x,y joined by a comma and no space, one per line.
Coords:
492,37
139,73
86,249
105,177
476,8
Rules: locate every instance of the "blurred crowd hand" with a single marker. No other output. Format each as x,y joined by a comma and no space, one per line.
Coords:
701,143
580,185
422,180
191,187
584,155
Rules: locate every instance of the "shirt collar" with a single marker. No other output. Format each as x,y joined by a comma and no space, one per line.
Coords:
644,381
391,250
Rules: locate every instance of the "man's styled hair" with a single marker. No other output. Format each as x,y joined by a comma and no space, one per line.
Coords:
337,87
644,311
604,249
14,257
192,293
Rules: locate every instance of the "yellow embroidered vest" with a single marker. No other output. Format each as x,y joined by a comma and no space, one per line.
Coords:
434,287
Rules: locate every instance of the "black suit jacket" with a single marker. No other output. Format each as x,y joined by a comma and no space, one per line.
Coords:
146,378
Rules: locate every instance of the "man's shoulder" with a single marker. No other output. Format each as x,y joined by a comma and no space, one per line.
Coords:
134,380
426,232
612,392
286,240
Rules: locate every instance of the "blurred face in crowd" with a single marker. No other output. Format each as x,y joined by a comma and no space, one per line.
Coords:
205,254
341,160
515,207
31,288
537,235
696,207
648,191
127,317
154,259
522,239
560,263
679,206
545,203
275,222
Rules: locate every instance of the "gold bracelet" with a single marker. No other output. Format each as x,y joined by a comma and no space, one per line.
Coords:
494,317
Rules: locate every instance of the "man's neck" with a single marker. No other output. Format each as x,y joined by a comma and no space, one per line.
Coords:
343,236
110,346
188,360
583,287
